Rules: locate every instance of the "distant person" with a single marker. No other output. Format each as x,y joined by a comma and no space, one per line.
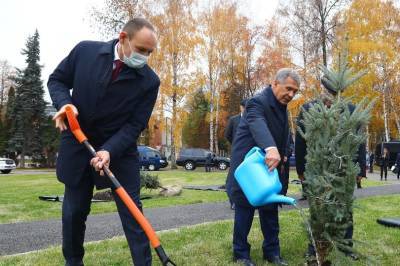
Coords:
398,165
208,162
233,122
286,161
384,163
371,162
230,132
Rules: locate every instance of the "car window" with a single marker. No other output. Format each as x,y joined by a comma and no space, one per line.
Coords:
151,154
198,153
185,152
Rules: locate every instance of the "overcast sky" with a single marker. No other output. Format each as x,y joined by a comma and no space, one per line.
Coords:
62,24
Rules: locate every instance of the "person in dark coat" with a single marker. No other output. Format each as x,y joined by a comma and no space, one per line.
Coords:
301,152
264,124
113,95
233,123
384,163
286,159
230,132
371,162
208,162
398,165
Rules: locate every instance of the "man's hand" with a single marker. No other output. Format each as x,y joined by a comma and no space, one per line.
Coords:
59,117
102,159
272,158
301,177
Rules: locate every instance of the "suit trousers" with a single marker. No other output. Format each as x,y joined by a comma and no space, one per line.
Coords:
269,226
76,207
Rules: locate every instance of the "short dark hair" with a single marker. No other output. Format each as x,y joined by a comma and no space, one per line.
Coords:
243,102
135,25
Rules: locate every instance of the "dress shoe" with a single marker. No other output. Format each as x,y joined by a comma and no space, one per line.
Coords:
245,262
352,255
276,260
74,263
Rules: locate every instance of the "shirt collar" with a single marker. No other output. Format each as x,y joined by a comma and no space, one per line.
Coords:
116,56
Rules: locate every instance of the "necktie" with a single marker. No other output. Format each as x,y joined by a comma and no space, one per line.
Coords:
117,68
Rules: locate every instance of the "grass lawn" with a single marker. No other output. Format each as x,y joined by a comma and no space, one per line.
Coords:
210,244
19,193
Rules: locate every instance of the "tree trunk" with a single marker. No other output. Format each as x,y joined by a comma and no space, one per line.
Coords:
368,140
396,116
211,109
385,115
173,124
216,124
174,107
22,161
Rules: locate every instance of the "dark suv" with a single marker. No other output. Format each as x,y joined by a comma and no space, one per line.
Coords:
193,157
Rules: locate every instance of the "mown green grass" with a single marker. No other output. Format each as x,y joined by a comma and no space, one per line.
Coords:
210,244
19,193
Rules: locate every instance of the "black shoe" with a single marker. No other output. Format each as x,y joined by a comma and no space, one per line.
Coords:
303,198
245,262
74,263
352,255
276,260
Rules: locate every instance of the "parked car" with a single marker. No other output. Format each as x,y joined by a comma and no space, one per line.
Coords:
163,162
150,159
7,165
193,157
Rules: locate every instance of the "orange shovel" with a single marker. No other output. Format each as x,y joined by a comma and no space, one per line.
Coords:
121,192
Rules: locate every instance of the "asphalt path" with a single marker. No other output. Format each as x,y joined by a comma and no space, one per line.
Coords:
29,236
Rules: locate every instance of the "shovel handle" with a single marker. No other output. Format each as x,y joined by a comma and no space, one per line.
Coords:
137,214
121,192
74,125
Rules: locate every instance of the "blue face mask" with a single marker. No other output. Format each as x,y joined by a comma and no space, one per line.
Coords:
135,60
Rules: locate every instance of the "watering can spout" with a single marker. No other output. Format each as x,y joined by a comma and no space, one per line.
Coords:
281,199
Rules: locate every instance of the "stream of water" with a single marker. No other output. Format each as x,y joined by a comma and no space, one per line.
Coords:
308,226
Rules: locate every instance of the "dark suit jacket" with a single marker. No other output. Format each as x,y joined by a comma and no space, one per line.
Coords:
301,146
111,113
230,130
398,160
263,124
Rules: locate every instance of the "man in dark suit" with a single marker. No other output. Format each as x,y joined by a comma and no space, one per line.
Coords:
371,162
233,123
264,124
230,132
301,152
114,91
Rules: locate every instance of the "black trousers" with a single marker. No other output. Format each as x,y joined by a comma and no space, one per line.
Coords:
269,227
384,170
76,207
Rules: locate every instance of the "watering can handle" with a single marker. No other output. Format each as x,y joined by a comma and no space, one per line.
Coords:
253,150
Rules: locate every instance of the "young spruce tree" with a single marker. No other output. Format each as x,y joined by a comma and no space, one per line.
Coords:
333,135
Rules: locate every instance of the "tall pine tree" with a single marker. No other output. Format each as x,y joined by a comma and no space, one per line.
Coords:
28,110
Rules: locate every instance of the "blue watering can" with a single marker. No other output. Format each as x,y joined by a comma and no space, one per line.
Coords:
259,184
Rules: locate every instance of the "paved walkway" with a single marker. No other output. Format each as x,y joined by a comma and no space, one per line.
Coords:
23,237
